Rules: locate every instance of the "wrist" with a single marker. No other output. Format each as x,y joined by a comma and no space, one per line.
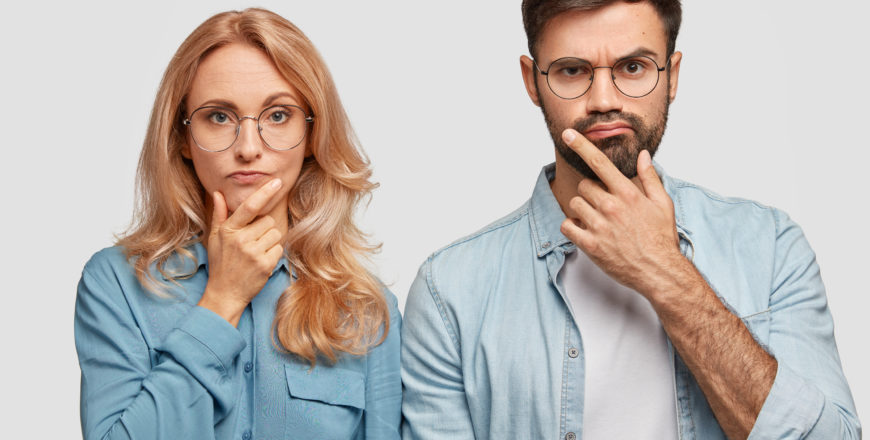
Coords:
223,305
677,284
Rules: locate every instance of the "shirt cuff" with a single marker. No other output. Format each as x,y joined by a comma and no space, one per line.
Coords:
204,340
791,409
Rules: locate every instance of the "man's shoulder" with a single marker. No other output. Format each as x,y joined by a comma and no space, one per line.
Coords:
498,233
463,267
699,208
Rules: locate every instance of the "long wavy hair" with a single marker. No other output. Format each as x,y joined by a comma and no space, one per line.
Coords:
335,305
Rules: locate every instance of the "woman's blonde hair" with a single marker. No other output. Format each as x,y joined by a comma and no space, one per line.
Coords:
335,305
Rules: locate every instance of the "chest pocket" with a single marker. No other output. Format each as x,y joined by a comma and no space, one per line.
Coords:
324,403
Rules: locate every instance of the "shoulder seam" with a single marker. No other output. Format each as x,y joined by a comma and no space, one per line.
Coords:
442,311
508,220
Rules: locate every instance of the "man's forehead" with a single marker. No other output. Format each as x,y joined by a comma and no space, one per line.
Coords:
611,31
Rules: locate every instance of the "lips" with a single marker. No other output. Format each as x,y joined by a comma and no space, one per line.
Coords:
601,131
248,177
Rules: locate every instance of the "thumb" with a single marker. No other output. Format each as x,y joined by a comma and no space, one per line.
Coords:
219,212
652,185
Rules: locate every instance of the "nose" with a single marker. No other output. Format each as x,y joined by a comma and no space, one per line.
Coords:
603,96
249,144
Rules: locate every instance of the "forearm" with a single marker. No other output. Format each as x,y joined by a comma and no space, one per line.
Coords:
169,404
186,391
734,372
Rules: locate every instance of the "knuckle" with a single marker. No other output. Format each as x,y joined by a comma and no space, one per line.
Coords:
265,266
598,161
608,206
590,246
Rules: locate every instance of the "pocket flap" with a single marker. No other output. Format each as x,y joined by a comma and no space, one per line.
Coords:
328,385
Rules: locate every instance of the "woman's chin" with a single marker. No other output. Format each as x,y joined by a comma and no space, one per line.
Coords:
236,199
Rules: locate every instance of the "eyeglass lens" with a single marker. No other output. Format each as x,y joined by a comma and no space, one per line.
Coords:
281,127
571,77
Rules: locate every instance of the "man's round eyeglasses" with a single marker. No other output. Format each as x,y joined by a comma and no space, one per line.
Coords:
571,77
281,127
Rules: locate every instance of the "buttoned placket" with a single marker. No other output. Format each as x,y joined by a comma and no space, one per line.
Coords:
245,418
573,375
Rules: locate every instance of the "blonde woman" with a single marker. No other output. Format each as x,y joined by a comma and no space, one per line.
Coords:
236,306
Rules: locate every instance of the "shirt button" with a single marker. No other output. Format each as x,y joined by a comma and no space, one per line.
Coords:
570,436
545,245
248,367
573,352
246,435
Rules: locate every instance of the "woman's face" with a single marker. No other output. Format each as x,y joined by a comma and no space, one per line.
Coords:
243,79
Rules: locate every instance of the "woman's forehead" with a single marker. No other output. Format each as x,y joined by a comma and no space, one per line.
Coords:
240,74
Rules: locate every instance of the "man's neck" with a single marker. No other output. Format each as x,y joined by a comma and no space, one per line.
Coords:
564,185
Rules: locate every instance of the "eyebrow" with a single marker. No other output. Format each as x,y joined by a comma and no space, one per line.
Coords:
231,105
639,52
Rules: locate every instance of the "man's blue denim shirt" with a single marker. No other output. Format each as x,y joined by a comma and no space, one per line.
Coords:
488,342
165,368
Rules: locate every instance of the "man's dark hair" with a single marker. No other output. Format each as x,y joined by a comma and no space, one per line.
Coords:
536,14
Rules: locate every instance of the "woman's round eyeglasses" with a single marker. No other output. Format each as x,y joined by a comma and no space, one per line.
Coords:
281,127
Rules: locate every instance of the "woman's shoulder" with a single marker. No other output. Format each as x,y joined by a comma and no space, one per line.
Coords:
390,298
108,260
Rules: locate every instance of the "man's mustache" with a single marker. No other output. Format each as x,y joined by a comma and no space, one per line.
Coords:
581,125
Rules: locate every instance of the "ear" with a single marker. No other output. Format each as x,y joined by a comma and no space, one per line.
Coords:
675,75
529,77
185,150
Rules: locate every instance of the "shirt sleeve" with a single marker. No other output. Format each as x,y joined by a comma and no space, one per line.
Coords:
810,398
128,390
434,404
384,382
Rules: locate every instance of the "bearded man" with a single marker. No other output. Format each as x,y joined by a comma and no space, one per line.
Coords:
619,302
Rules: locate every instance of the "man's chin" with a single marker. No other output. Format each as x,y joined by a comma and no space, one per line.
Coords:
623,156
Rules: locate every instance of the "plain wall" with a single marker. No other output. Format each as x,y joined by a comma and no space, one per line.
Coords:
771,106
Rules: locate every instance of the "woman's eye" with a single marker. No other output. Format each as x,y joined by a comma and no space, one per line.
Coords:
218,117
278,117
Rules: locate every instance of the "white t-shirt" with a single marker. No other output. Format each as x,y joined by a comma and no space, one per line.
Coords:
629,376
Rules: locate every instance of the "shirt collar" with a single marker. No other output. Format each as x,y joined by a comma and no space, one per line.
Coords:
546,215
179,265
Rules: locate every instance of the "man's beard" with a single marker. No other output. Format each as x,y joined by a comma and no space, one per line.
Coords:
621,149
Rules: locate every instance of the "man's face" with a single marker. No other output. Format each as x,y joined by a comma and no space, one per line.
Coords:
619,125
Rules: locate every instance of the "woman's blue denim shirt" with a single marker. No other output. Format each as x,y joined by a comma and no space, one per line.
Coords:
164,368
491,349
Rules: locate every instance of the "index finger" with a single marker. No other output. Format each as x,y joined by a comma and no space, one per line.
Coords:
599,163
251,207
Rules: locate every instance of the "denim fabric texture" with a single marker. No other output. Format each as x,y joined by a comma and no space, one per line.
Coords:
165,368
490,347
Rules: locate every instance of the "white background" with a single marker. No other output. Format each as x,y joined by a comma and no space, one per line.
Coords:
771,106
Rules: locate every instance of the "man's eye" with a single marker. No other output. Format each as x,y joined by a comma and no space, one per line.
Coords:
631,68
573,71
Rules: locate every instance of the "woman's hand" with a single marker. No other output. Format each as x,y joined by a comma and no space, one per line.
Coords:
242,251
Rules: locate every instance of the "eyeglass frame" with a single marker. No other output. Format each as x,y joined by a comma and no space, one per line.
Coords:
659,70
187,122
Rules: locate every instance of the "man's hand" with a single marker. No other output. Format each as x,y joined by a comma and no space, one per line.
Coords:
630,234
242,251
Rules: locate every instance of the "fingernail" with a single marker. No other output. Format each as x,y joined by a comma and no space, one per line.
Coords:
569,135
644,159
276,183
